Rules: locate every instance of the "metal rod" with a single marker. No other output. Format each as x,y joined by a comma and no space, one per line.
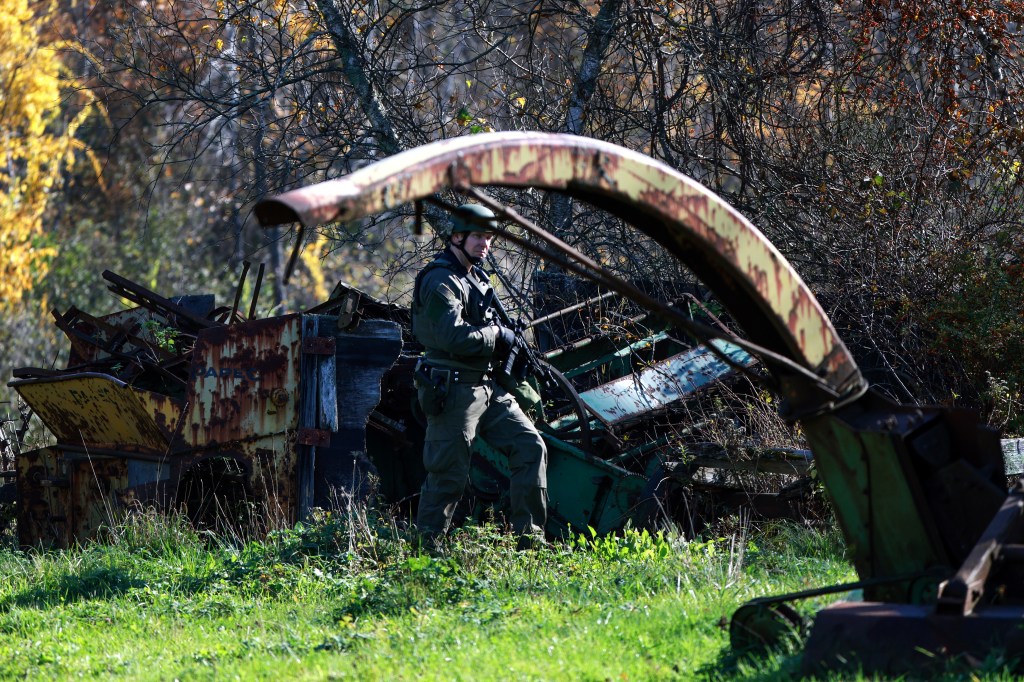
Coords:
707,312
617,352
845,587
295,254
578,263
588,268
238,291
256,290
566,311
148,299
417,226
575,345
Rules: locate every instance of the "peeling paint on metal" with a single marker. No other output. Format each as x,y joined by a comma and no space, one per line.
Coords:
244,381
97,409
661,384
688,219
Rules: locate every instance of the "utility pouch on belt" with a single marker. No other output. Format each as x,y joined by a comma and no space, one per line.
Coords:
526,394
432,386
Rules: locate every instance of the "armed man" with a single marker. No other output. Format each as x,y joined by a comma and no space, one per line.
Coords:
459,389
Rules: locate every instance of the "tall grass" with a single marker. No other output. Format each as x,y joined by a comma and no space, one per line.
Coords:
350,596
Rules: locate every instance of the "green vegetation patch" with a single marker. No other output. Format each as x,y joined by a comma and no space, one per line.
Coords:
344,600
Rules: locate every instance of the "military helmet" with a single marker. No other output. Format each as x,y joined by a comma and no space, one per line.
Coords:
463,219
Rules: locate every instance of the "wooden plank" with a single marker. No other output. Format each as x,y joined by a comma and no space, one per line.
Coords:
308,392
328,389
364,353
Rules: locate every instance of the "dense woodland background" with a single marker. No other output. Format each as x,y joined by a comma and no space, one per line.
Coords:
877,144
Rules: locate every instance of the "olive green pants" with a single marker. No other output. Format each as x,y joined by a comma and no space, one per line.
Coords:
490,411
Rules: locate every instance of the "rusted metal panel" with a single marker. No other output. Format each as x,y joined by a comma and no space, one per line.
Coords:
733,258
318,345
244,381
121,447
267,488
97,409
165,411
108,329
97,484
43,503
274,477
66,494
315,437
132,330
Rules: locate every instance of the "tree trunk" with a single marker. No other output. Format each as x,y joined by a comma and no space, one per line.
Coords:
598,39
356,73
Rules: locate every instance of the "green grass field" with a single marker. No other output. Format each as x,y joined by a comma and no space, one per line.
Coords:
355,600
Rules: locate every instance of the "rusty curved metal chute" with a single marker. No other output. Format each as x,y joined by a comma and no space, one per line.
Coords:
732,258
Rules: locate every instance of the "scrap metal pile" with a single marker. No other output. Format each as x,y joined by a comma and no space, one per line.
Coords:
176,403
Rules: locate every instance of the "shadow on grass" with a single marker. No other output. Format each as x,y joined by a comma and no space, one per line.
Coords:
98,582
108,582
756,666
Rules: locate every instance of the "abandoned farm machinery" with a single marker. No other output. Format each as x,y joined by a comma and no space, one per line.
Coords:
179,402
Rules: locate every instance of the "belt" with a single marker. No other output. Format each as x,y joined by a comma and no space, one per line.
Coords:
455,375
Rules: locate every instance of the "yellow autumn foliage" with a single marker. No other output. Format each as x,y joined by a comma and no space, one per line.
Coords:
312,258
30,155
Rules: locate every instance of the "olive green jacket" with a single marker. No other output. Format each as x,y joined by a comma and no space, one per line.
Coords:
448,314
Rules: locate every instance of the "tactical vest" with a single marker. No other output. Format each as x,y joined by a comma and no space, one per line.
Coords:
473,294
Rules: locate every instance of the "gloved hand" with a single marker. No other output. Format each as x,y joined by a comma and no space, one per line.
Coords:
504,342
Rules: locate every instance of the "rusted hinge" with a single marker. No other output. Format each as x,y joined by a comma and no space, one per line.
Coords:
315,437
318,345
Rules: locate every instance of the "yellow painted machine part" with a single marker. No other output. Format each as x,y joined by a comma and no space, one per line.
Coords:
98,410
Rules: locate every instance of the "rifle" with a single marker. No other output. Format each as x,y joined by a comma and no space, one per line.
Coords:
522,360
